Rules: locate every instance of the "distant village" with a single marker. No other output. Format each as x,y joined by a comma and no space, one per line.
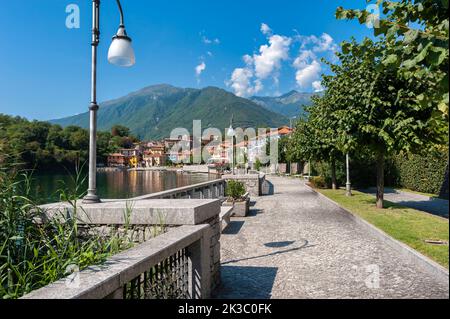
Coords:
170,152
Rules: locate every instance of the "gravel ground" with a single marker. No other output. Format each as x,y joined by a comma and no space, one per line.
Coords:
297,245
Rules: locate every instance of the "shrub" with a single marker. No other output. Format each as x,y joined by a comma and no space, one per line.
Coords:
258,164
235,190
324,169
318,182
423,173
33,255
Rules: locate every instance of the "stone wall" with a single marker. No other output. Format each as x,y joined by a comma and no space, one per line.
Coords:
253,182
136,234
282,168
147,218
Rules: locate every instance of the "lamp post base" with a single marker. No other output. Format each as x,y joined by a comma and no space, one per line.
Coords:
349,190
91,199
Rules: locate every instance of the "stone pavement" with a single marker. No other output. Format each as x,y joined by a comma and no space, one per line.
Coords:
424,203
297,245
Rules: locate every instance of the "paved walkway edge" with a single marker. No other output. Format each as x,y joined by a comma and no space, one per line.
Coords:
433,268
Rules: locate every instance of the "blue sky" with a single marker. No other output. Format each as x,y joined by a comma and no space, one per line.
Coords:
251,47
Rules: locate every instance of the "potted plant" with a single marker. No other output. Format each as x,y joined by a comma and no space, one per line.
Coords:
238,198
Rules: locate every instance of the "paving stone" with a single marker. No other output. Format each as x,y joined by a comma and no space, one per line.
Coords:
296,245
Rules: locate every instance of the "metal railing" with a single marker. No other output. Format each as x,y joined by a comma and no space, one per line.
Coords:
168,279
174,265
207,190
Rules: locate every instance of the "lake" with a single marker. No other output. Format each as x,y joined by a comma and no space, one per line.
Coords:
117,184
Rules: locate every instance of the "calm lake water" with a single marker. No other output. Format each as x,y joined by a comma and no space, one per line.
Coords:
117,185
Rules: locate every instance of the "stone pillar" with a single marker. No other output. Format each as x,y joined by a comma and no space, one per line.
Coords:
200,286
214,249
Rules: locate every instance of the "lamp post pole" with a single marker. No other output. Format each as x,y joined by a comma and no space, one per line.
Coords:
92,196
231,133
120,53
232,153
349,184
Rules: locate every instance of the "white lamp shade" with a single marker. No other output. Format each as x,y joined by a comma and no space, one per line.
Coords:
231,131
121,52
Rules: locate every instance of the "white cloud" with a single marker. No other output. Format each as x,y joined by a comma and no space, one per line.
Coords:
304,59
308,67
317,86
308,74
267,63
265,29
325,43
206,40
241,82
270,57
248,59
199,69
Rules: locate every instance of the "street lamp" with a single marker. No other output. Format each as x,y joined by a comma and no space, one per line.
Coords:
349,184
232,133
120,53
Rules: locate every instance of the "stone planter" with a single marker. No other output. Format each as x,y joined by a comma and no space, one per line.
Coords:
240,208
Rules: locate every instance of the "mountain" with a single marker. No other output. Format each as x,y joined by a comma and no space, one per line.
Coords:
154,111
289,105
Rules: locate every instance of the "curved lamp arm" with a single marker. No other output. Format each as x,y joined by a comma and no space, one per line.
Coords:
122,21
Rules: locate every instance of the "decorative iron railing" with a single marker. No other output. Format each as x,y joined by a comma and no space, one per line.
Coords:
174,265
168,279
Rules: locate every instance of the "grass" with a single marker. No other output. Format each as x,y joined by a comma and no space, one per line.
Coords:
407,225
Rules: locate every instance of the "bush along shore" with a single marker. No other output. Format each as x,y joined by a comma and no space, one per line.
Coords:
32,254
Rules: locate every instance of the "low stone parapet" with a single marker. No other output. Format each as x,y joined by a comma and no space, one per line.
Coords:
178,215
253,182
176,264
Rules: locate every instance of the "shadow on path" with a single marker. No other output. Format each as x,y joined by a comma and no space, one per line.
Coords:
233,228
254,282
274,245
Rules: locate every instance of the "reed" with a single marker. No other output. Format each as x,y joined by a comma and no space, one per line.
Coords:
33,255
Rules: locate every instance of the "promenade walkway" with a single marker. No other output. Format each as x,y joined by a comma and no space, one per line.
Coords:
297,245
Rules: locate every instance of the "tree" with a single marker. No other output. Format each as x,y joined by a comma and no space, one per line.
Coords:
416,35
315,137
374,107
41,145
120,130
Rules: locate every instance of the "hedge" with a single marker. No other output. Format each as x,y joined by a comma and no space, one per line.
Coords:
423,173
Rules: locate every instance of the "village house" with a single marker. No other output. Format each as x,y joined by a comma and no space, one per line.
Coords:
257,146
125,157
154,155
117,160
178,150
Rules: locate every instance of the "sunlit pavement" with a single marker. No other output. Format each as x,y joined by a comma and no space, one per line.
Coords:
297,245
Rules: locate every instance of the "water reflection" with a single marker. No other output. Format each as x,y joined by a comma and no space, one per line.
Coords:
121,184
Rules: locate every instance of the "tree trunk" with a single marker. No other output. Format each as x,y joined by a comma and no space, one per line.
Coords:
333,174
380,180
